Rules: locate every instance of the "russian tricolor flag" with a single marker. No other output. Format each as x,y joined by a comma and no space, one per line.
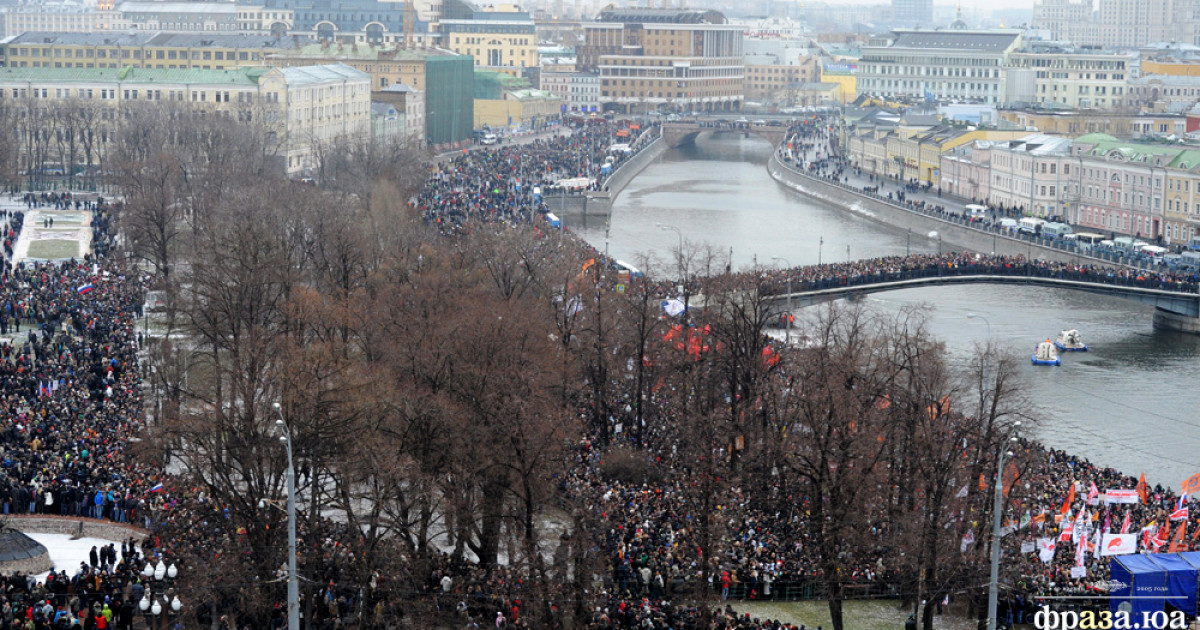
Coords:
85,288
1181,509
157,488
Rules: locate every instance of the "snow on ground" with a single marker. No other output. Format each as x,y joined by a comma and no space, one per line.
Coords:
66,554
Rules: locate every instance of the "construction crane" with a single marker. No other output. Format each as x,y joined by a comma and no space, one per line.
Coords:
409,18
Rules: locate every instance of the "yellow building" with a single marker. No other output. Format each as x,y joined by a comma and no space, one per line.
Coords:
527,108
1074,124
778,81
387,66
501,38
1171,67
844,74
168,51
1181,210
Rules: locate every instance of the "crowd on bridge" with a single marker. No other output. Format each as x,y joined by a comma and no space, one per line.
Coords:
897,268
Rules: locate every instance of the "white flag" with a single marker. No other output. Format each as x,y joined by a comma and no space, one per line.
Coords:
967,540
1118,544
1046,548
962,494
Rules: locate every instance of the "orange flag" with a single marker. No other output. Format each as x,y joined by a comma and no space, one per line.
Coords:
1178,544
982,482
1070,499
1010,477
1143,489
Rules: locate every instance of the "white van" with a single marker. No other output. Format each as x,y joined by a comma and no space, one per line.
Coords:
1030,225
976,211
488,138
1009,224
1153,252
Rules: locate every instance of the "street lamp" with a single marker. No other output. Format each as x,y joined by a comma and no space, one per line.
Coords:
820,244
160,592
994,583
985,320
787,321
293,588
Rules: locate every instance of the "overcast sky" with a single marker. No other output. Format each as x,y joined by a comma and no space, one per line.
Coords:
982,5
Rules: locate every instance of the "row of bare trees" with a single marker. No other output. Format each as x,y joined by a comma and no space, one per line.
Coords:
436,389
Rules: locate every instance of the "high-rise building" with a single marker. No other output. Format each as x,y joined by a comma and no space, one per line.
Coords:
1120,23
912,13
688,59
945,65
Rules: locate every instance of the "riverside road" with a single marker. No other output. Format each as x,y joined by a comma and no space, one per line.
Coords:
1127,403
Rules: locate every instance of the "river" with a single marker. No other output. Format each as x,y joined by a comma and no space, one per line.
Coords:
1130,403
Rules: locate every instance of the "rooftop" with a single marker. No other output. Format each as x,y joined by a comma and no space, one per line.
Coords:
1040,144
643,15
988,41
301,75
150,38
139,6
237,76
335,52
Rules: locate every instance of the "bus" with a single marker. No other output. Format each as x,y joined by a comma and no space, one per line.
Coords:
1089,238
1030,225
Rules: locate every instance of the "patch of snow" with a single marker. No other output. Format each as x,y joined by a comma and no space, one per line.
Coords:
66,554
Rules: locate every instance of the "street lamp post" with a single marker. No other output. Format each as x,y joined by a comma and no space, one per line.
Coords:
820,244
787,321
160,584
994,581
908,244
293,588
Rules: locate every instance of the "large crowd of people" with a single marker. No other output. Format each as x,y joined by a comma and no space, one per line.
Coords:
71,396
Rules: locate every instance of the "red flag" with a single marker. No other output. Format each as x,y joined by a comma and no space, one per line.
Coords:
1093,495
1143,489
1070,500
1125,523
1178,544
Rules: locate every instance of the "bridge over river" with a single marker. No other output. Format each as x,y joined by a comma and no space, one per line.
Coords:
677,134
1175,298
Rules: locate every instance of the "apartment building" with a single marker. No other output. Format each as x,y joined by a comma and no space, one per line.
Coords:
308,107
958,65
675,58
1032,173
1068,76
168,51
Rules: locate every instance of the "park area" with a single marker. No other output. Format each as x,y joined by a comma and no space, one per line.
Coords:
51,235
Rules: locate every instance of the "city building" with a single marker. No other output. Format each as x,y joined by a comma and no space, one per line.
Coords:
359,22
959,65
1119,23
1077,123
1122,184
1068,76
682,59
307,107
966,171
775,68
445,79
845,74
137,49
578,91
58,18
912,13
505,101
500,38
179,16
1032,173
1164,93
409,104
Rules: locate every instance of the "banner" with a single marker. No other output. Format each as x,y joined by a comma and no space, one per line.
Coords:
1121,496
1078,572
1046,549
1118,544
1028,546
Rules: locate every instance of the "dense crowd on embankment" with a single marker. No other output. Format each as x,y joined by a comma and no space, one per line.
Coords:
72,400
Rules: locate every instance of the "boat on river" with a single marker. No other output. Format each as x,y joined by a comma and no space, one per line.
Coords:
1046,354
1070,341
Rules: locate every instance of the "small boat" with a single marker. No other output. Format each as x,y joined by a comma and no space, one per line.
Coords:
1069,341
1046,354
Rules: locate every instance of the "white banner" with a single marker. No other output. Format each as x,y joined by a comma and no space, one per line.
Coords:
1028,546
1118,544
1121,496
1046,549
1078,572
